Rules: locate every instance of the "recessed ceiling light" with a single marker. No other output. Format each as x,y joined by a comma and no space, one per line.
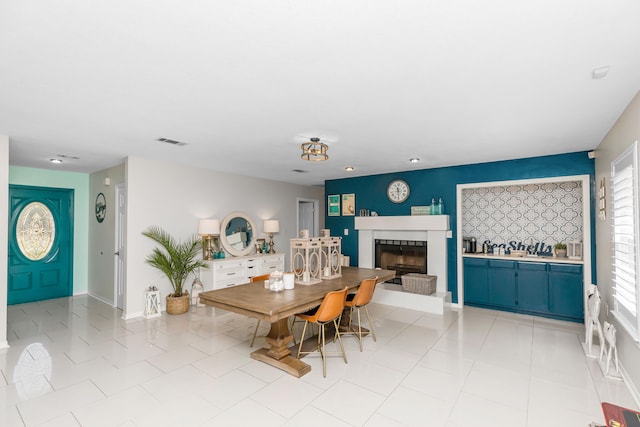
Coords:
414,160
599,73
350,168
55,161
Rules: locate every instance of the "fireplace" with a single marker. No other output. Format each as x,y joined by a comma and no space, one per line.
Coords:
403,256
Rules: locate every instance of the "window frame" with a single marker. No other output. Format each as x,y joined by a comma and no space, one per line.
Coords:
625,252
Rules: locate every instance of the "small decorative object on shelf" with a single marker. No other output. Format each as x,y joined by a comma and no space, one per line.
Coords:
306,261
560,250
152,303
574,250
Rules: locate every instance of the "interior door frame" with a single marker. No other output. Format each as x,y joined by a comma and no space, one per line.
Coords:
120,255
316,215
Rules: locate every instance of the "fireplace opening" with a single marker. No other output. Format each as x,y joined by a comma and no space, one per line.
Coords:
403,256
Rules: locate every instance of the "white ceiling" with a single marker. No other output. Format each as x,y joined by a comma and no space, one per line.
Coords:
244,82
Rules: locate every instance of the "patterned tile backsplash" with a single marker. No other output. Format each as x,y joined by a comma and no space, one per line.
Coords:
520,215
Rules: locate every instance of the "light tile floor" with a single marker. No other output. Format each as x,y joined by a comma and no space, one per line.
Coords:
75,362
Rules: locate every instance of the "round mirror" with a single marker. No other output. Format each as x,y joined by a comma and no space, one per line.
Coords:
238,233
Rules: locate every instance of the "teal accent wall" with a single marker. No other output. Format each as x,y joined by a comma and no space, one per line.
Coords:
425,184
79,182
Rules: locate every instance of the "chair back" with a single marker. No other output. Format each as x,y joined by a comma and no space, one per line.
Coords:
331,306
365,292
258,278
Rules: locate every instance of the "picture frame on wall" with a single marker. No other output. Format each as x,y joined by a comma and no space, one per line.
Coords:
333,205
348,205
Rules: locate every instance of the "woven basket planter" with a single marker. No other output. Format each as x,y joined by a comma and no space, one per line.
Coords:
419,283
178,305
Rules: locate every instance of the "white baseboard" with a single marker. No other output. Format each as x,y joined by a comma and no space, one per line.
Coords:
4,344
101,299
630,385
129,316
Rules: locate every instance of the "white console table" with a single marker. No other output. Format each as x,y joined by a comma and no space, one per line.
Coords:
233,271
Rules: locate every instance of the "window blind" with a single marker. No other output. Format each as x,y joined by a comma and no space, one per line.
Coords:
624,219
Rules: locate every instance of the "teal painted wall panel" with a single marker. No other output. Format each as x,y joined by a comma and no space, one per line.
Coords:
426,184
79,182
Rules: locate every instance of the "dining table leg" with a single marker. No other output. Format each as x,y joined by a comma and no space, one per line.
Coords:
278,353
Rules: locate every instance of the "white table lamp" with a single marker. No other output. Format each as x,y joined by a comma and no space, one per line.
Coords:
271,226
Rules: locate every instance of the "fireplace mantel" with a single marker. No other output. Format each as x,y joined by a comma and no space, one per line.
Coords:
409,223
434,229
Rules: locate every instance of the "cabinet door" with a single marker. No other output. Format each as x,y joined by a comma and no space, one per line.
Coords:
565,291
533,287
502,283
476,289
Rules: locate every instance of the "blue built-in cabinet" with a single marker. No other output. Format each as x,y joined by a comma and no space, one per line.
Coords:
540,288
371,193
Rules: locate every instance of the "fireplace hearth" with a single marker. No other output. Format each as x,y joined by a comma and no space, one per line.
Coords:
403,256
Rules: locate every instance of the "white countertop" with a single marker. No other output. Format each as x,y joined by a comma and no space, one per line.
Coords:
525,258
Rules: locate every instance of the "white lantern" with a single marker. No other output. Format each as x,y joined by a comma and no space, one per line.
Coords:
574,250
152,306
196,290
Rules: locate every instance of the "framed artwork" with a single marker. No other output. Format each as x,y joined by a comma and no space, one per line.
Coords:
333,205
348,204
101,207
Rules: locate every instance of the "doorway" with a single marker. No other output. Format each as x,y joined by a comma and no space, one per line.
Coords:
40,264
120,255
308,218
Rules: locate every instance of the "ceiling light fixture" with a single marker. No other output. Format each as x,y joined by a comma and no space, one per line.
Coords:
55,161
314,151
350,168
414,160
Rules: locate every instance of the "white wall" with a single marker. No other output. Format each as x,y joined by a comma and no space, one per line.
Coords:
102,235
622,135
175,197
4,237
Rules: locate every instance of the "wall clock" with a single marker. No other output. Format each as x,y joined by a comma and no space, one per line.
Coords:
101,207
398,191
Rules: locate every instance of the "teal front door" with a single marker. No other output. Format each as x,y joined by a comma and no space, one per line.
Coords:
40,243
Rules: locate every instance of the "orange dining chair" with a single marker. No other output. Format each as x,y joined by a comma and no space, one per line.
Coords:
251,280
329,311
359,300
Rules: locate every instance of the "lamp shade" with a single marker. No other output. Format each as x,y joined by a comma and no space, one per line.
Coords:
209,227
271,226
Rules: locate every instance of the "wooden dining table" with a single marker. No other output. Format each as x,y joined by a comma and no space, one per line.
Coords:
254,300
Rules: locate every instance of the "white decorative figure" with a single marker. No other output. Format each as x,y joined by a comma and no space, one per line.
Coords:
610,337
593,319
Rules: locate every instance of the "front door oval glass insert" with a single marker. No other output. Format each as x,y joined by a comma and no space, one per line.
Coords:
35,231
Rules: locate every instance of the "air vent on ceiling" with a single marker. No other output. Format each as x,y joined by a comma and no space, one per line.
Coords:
171,141
299,171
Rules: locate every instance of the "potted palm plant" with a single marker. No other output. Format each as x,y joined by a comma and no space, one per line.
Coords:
177,260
